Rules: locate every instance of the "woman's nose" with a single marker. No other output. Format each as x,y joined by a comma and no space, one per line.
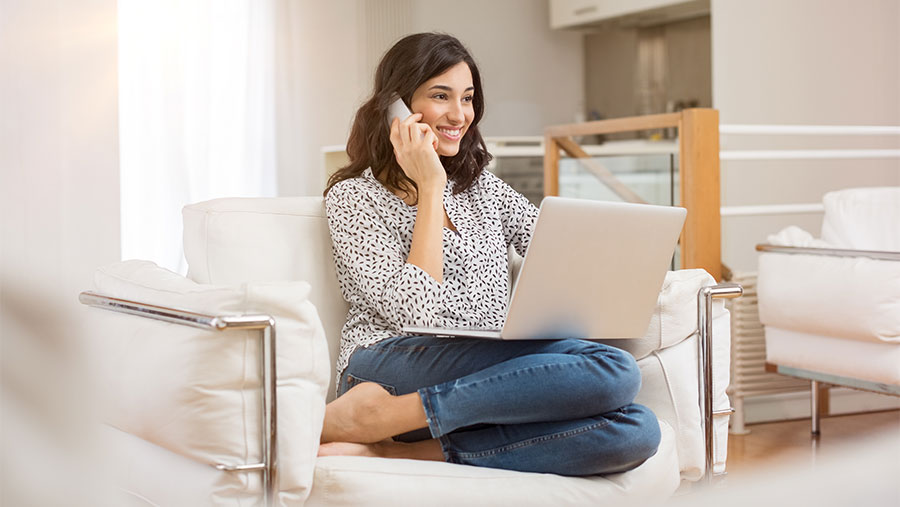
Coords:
455,113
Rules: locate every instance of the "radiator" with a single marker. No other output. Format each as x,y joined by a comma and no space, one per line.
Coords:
748,355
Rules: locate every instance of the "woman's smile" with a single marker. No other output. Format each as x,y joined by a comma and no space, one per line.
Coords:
452,134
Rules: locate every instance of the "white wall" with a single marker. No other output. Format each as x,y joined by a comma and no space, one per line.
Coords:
533,76
58,145
829,62
319,86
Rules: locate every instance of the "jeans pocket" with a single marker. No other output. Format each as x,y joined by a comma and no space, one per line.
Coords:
353,380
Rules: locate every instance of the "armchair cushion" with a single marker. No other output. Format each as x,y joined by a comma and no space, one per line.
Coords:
852,298
669,387
196,392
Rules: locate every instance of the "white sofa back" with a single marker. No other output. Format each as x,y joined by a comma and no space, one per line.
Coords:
236,240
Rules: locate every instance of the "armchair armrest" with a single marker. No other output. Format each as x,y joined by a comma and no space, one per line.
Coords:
834,252
841,293
704,327
675,375
183,366
266,325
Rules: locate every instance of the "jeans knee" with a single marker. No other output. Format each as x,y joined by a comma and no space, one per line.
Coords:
639,442
631,437
627,371
648,436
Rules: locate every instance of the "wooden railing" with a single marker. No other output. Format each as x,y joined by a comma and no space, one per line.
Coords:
698,152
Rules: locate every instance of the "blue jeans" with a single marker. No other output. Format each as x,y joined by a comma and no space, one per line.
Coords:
552,406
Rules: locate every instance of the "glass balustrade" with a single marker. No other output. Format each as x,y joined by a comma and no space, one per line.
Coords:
654,178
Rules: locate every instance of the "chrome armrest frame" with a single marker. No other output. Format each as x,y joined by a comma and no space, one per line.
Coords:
704,325
833,252
266,325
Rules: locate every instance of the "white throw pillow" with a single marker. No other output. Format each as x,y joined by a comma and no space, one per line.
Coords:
863,218
196,392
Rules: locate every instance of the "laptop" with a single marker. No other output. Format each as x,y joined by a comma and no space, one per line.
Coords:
593,270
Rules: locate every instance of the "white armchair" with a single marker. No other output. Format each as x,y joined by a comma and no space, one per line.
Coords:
831,306
205,403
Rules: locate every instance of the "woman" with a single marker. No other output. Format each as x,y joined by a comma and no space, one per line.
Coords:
420,234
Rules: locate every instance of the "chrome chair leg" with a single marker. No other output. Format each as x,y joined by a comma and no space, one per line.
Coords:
814,405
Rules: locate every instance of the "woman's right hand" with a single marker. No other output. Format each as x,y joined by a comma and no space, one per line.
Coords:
415,146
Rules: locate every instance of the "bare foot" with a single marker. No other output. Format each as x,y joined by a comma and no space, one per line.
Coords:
367,413
356,416
424,450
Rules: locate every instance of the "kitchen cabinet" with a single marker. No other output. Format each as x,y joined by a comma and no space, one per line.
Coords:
586,14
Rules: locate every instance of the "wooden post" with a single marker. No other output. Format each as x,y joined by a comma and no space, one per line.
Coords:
551,166
701,244
698,132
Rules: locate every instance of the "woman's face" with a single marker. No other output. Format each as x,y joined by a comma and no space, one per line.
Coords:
446,104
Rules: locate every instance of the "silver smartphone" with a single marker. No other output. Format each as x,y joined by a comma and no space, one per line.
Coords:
397,109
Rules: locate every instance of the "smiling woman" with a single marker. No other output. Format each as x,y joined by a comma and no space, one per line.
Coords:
420,235
436,76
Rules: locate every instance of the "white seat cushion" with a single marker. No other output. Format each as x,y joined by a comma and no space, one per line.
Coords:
373,482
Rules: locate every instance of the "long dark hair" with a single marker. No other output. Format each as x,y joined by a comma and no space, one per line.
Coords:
409,63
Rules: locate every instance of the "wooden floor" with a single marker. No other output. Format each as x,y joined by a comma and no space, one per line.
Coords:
776,443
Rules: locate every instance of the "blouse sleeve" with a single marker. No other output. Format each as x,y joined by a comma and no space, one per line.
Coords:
371,264
517,215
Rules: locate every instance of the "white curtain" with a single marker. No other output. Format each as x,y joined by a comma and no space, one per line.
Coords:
196,114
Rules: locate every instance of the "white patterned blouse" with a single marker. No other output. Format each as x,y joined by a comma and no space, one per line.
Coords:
371,233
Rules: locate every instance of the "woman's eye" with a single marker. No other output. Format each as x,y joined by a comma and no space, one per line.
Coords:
468,98
440,96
